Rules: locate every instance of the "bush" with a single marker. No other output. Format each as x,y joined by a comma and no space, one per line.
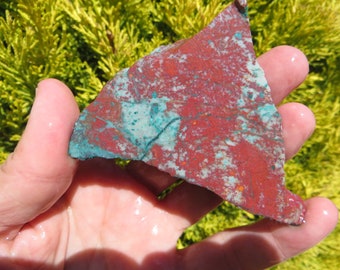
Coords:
84,43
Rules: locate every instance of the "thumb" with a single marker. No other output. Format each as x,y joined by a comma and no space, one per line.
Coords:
39,171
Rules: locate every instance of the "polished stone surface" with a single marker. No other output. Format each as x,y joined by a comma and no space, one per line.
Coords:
201,110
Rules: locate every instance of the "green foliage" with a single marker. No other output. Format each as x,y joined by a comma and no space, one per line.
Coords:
114,33
84,43
183,19
35,44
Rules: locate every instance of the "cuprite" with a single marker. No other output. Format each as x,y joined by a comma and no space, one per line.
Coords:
201,110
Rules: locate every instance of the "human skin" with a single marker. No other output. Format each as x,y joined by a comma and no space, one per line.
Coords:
59,213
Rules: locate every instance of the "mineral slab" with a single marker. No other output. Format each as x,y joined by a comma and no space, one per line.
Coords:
200,110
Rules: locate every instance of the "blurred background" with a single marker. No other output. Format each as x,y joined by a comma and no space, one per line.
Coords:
84,43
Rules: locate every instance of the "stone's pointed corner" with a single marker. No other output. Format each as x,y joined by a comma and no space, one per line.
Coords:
241,5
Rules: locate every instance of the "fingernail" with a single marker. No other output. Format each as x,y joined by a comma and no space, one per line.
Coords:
38,88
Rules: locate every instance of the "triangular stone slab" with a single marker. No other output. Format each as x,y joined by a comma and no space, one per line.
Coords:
201,110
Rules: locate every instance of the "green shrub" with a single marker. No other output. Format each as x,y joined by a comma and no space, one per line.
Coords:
84,43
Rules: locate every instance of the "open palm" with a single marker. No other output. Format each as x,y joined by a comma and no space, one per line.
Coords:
58,213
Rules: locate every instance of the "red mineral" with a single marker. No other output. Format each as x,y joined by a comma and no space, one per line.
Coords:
201,110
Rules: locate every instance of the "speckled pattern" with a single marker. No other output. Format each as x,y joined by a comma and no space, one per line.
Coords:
201,110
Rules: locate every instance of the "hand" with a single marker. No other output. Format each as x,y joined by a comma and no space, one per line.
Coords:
57,213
